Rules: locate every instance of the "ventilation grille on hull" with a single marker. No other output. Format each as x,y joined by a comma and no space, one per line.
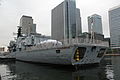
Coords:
101,53
79,53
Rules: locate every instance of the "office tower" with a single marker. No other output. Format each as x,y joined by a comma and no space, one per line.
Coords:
95,24
58,22
33,28
26,22
64,20
114,23
78,23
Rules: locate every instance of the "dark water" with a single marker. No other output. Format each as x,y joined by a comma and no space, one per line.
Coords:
109,69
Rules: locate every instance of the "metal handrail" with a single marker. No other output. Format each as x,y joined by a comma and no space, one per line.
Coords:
70,42
86,42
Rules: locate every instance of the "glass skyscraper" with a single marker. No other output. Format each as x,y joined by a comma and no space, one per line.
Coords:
70,11
64,21
95,24
114,23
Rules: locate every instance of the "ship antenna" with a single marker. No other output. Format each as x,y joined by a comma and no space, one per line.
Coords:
19,34
92,33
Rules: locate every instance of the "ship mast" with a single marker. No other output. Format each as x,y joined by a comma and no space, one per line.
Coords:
19,34
92,40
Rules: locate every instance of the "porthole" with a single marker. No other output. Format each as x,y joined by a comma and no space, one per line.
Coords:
57,51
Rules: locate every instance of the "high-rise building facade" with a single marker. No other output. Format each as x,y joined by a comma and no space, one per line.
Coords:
26,22
64,20
78,23
33,28
95,24
114,23
58,22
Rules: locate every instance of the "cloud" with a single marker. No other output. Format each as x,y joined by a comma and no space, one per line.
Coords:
0,2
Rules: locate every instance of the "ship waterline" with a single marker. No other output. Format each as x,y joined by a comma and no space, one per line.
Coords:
72,55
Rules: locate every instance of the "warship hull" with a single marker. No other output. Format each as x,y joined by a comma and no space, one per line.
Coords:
69,55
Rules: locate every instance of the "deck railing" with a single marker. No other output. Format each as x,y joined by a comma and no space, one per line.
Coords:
70,42
77,41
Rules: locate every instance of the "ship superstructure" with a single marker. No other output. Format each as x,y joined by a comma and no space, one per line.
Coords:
40,49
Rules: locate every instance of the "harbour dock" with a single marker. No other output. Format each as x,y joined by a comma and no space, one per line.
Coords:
7,56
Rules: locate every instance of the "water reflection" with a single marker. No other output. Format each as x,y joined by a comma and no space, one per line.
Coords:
109,72
116,67
7,70
25,71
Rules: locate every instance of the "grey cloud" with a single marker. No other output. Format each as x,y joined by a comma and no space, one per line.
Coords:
0,2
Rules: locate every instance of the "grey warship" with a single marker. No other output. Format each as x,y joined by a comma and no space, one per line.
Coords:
70,50
78,52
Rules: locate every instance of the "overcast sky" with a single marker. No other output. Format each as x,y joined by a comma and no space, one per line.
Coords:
12,10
